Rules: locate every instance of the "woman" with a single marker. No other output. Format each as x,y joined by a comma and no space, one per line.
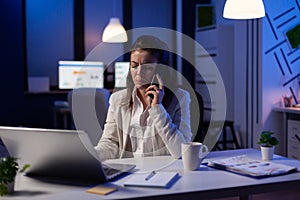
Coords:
147,119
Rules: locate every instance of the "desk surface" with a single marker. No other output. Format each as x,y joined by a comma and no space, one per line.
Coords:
204,183
287,110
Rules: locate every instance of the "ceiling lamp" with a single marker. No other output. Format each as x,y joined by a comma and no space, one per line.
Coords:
114,32
244,9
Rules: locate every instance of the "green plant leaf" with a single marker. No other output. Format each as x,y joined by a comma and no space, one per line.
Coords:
24,168
8,170
3,189
266,139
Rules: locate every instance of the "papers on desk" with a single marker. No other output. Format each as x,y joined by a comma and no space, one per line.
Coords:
247,166
152,179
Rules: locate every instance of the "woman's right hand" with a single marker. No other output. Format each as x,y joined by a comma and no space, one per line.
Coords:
157,92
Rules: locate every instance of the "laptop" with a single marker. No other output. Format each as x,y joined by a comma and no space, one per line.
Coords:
57,153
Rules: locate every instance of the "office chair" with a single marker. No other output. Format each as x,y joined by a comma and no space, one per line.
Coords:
89,108
197,112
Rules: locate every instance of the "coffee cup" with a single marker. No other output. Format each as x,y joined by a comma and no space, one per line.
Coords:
192,154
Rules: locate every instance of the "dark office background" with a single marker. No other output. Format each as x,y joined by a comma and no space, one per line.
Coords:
20,108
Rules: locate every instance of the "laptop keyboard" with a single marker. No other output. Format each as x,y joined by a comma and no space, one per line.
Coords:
114,170
111,172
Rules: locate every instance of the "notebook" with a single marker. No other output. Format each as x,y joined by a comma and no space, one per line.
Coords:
160,179
57,153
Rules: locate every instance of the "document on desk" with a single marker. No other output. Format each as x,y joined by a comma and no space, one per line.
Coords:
251,167
152,179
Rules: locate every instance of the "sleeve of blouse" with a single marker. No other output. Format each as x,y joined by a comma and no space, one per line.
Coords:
107,147
175,130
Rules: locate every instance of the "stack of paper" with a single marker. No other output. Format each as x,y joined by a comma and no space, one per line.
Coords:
247,166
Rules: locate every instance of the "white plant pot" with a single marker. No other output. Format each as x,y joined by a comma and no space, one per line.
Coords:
267,153
11,187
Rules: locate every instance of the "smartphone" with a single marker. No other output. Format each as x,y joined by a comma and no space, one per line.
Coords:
154,81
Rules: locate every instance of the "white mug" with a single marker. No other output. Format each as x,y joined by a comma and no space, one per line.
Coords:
192,154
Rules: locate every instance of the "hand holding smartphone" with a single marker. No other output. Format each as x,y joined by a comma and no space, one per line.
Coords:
152,83
155,91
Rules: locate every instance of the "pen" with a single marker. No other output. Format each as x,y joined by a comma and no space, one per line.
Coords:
150,175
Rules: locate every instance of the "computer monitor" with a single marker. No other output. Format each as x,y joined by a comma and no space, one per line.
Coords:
78,74
121,70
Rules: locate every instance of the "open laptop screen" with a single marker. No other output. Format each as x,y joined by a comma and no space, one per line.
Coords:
66,154
121,71
78,74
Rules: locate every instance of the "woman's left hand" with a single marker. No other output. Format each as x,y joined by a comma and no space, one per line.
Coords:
157,92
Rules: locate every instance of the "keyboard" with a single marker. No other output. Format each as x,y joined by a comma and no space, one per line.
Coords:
113,170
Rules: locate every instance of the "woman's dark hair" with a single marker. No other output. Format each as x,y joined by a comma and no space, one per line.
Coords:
160,51
155,46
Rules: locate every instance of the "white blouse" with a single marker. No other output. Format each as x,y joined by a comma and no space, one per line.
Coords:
131,132
140,128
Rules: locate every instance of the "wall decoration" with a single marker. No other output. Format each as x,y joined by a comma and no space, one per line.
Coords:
284,43
205,15
293,36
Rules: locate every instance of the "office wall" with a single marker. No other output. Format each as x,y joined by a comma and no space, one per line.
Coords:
36,110
262,65
50,32
19,108
50,29
49,36
97,15
280,62
280,59
145,14
11,81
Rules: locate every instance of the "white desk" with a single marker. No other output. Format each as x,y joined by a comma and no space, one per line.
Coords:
203,183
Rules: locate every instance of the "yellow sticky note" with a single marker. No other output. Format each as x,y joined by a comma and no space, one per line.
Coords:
101,190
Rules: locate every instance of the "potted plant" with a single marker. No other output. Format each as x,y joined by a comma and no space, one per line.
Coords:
267,142
8,170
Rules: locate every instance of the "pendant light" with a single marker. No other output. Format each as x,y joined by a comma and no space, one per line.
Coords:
114,32
243,9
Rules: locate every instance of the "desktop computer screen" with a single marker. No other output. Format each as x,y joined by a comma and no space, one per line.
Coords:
121,70
78,74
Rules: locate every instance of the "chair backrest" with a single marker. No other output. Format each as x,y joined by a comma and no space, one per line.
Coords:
89,108
197,111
